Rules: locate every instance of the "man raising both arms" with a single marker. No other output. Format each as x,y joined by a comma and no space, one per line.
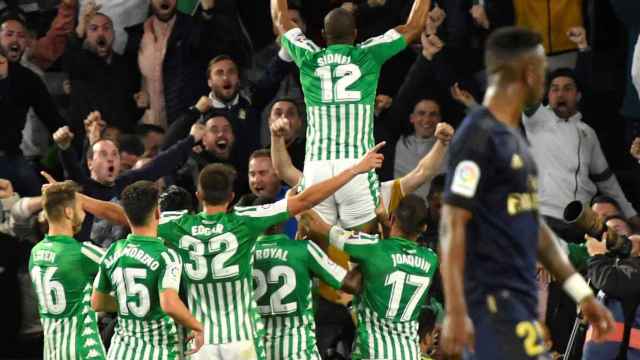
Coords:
491,231
339,84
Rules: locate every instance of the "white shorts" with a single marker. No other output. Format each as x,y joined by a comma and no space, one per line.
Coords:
240,350
352,205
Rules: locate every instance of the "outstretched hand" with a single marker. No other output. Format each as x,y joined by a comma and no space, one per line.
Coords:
371,160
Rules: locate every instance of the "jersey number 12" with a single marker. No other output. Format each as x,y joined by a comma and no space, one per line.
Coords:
346,75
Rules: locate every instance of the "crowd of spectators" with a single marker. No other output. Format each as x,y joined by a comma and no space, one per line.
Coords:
111,92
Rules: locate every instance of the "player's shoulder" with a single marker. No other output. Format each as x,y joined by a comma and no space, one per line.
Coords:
475,130
260,210
173,216
389,36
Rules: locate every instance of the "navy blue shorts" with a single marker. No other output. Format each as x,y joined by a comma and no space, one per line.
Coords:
505,329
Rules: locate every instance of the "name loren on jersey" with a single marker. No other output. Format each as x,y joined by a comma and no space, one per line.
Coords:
133,252
411,260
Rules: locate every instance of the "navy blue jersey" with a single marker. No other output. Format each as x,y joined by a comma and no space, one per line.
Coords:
492,174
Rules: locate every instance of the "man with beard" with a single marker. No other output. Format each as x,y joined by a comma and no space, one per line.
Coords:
569,155
171,50
62,271
20,89
101,79
106,180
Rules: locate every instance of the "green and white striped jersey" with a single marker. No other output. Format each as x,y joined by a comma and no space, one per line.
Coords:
282,272
138,269
396,274
339,84
217,253
62,270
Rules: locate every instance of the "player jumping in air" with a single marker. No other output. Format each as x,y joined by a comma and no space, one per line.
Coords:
62,270
491,232
339,84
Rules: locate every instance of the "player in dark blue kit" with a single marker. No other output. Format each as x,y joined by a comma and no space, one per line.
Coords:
491,231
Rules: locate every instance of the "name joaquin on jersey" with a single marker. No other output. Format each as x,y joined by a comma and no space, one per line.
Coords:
411,260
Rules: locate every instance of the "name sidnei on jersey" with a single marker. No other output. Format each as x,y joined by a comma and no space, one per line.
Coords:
135,253
337,59
411,260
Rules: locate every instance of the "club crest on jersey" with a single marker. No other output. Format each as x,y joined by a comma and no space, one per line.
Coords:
465,179
516,162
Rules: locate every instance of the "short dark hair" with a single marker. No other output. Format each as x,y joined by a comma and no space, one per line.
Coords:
14,16
339,25
90,147
262,200
176,198
144,129
411,215
130,144
56,197
260,153
506,45
219,58
426,322
139,201
563,72
603,199
284,99
215,183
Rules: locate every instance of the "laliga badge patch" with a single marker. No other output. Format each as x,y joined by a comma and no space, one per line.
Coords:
516,162
465,179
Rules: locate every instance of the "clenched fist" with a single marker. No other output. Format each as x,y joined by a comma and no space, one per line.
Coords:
578,35
197,131
444,132
63,137
6,189
480,16
431,45
280,127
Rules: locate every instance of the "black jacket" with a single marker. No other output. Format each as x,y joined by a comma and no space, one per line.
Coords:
20,90
192,43
98,85
620,280
166,163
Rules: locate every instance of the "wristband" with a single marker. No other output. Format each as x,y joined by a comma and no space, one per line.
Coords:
577,288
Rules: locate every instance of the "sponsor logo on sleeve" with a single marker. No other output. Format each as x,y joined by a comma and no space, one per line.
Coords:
465,179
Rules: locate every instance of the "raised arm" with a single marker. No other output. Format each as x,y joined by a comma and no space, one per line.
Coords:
280,156
313,195
280,16
431,164
106,210
416,21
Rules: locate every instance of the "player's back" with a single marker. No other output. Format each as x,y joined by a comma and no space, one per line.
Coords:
283,271
217,253
492,174
62,271
396,276
339,84
138,269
